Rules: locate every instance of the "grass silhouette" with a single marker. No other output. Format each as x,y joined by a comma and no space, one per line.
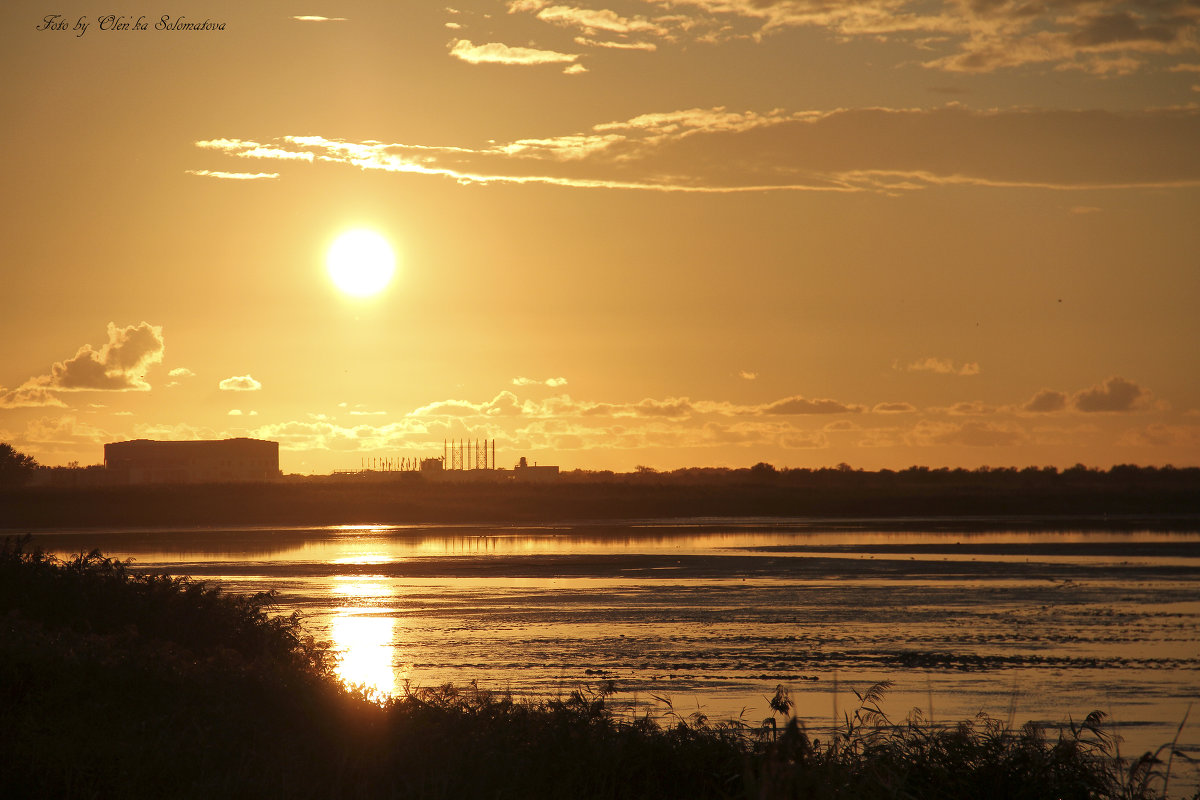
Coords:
119,684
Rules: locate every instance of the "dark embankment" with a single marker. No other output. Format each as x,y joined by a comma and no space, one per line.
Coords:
409,498
121,685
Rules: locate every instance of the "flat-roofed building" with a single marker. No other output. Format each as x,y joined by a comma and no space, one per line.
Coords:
207,461
527,473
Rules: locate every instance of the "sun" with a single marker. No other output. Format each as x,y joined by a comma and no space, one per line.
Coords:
360,262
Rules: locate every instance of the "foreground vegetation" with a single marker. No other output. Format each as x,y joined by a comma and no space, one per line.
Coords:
114,683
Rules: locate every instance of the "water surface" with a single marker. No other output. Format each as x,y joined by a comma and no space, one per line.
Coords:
710,616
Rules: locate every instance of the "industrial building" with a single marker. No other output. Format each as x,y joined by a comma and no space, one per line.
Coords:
527,473
461,460
144,461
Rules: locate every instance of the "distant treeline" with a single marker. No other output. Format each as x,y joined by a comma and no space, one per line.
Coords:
1168,495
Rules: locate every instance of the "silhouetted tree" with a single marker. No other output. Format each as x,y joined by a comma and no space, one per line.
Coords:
15,467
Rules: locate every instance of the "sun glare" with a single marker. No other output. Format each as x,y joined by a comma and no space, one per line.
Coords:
360,263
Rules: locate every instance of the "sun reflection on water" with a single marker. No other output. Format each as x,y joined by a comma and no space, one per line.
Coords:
366,650
363,630
364,558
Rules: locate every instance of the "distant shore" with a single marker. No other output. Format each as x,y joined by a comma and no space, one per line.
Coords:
1118,498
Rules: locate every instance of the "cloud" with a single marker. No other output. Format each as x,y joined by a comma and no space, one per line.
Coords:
325,435
888,151
496,53
1046,401
971,408
235,412
591,21
247,149
807,440
175,433
117,366
1099,37
575,69
563,423
1115,395
307,18
181,372
551,382
504,404
671,408
747,376
1162,435
239,383
893,408
801,405
943,366
603,433
676,408
29,397
928,433
646,47
65,430
232,176
1095,36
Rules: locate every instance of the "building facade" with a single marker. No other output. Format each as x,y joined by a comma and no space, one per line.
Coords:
143,461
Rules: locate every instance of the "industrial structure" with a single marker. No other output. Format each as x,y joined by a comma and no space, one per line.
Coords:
461,459
534,473
457,456
144,461
467,455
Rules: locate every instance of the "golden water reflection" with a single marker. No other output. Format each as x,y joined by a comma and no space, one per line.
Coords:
366,650
380,544
363,630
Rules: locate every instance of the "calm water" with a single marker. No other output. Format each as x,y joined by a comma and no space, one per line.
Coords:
712,616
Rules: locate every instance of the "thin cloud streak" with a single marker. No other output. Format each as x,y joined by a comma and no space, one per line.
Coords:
646,47
232,176
497,53
943,366
719,151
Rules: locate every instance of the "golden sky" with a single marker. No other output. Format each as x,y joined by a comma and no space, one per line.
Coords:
661,232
